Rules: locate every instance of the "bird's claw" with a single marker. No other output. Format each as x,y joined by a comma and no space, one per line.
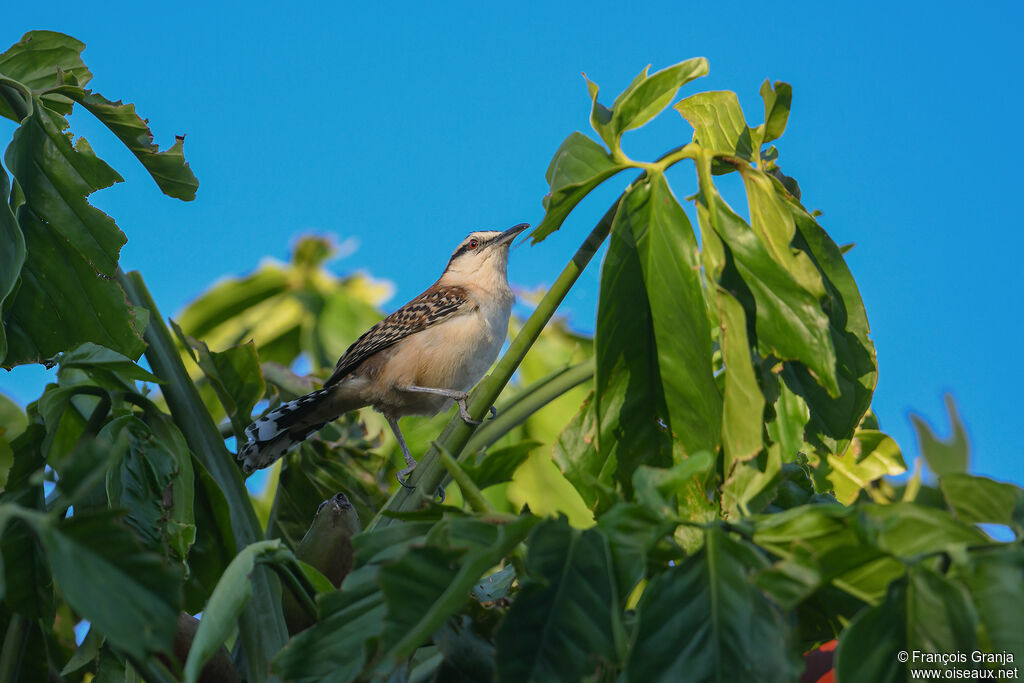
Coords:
464,413
494,412
403,476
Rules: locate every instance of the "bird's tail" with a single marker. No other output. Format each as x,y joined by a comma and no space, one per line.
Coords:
288,425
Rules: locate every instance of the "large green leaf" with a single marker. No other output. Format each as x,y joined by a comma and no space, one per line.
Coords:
980,500
565,618
647,96
706,620
743,402
995,580
626,349
12,253
835,418
789,322
130,595
38,61
925,613
66,295
168,168
667,251
579,165
151,478
944,456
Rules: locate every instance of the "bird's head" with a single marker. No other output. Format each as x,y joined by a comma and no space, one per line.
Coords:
481,256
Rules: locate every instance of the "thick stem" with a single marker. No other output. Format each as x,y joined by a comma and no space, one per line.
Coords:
430,472
261,625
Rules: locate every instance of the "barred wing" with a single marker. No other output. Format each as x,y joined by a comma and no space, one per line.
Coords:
432,306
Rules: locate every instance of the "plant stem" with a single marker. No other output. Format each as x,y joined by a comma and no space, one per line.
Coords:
430,472
261,625
13,648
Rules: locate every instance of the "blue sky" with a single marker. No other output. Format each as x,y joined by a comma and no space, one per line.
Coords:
406,127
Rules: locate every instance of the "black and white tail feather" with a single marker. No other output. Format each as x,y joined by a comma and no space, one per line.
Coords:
280,430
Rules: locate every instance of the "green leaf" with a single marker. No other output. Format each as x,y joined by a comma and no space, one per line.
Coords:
145,479
871,456
336,647
12,424
168,168
943,456
498,465
130,595
89,357
706,620
980,500
220,616
743,402
565,618
628,372
588,468
66,295
773,223
235,375
632,531
789,322
777,101
787,428
579,165
833,419
646,97
427,585
718,123
668,255
12,253
752,484
996,583
923,613
38,60
468,657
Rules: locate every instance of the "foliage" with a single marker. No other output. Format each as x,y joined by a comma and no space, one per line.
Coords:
714,505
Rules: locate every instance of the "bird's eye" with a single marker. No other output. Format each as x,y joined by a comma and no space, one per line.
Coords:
473,244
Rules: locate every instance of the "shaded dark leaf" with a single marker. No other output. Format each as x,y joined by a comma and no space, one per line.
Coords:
565,618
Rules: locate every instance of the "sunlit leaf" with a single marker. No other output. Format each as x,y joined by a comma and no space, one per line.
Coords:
667,252
168,168
578,166
718,123
38,60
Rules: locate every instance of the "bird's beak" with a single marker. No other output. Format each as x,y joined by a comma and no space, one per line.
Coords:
511,233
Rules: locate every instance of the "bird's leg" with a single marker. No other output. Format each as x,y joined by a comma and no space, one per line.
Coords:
403,475
458,396
409,460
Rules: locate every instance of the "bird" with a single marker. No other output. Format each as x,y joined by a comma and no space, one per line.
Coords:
430,351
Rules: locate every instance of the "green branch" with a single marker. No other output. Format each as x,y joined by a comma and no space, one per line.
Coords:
261,625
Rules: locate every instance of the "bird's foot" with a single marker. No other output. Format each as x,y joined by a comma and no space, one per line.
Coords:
464,412
494,412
